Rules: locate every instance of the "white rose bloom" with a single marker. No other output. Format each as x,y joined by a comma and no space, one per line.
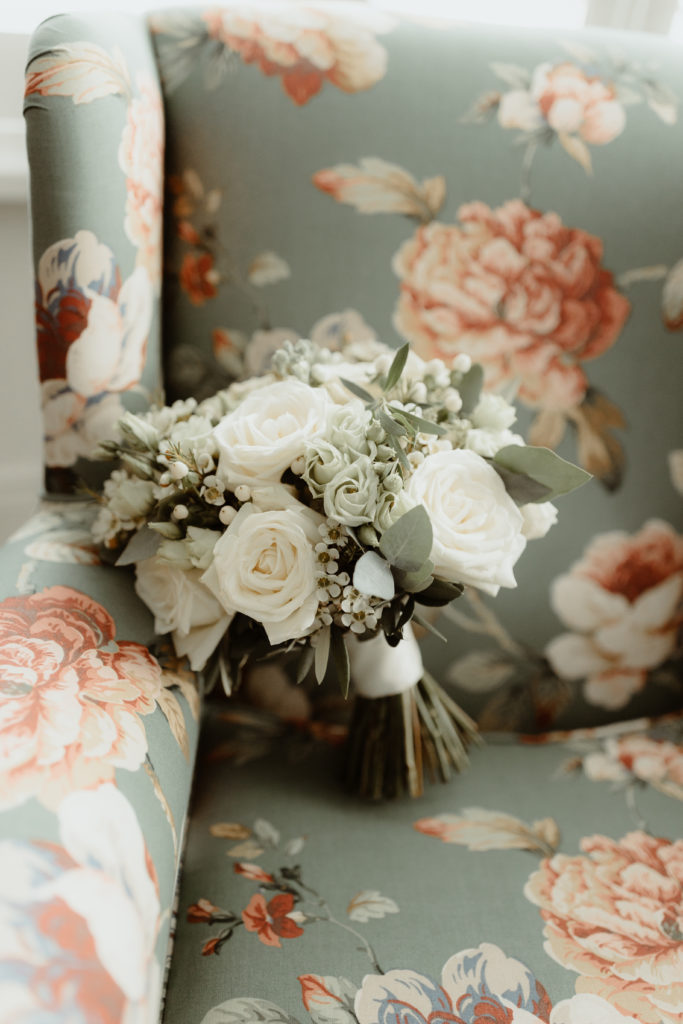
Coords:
183,606
487,443
492,412
264,566
263,436
329,375
538,518
477,526
128,497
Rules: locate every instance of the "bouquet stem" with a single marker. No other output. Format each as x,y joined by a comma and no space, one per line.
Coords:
397,738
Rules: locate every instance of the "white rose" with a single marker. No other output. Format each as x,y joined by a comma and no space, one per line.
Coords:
128,496
477,526
329,375
183,606
264,566
351,495
538,518
263,436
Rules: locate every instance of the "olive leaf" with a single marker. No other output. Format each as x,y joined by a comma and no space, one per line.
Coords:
397,367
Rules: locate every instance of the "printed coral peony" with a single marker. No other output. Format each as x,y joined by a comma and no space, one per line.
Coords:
80,918
76,696
622,601
518,291
614,917
305,47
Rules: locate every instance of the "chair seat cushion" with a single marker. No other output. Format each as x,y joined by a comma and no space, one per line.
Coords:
546,879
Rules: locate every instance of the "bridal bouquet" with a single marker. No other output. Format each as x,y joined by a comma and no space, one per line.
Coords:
315,512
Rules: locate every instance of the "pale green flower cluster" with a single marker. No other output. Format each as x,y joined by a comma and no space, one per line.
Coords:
353,470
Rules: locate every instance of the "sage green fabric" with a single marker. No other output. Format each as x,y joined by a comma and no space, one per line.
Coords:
513,869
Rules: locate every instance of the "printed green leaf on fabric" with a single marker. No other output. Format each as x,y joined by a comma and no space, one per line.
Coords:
247,1011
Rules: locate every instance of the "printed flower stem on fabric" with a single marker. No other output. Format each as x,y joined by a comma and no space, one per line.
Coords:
285,905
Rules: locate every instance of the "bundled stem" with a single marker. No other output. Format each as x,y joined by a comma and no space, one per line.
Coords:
394,740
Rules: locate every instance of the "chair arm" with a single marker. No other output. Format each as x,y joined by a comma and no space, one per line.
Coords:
95,137
97,740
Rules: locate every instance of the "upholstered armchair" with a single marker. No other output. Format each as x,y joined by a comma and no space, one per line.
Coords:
204,185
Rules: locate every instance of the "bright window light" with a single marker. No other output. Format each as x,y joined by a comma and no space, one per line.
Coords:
530,13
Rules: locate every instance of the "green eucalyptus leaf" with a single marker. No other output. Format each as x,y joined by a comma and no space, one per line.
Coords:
470,388
372,576
397,368
143,544
440,592
340,657
357,390
305,663
322,654
521,488
413,582
544,466
407,544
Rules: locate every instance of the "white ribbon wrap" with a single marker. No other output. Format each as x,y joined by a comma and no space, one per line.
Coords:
379,670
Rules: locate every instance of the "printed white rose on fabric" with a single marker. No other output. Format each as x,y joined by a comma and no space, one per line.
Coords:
183,606
622,602
265,567
477,526
480,984
80,918
269,430
569,101
92,335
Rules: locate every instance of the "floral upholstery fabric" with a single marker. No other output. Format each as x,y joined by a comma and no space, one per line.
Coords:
328,172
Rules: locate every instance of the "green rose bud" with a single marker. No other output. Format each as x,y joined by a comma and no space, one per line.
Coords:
391,507
348,428
351,497
323,462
